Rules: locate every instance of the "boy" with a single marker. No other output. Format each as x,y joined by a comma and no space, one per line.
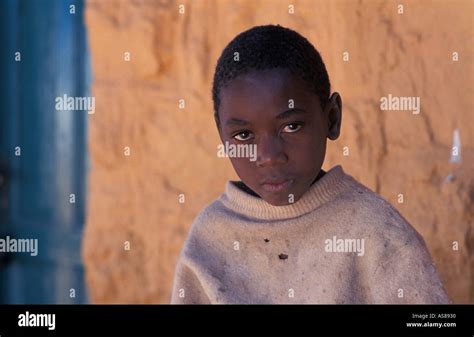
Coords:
289,232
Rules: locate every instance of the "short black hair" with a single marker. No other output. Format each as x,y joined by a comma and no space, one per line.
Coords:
268,47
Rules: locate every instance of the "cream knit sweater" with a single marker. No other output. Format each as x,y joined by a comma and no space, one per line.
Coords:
339,243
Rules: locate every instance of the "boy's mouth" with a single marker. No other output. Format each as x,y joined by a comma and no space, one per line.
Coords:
275,185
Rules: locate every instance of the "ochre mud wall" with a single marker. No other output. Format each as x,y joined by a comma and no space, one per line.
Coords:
147,153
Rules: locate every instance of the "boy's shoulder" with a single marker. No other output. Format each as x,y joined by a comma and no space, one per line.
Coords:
204,222
379,218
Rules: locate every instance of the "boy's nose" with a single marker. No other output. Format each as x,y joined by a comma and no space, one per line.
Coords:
270,152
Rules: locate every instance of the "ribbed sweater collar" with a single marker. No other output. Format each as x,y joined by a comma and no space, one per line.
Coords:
322,191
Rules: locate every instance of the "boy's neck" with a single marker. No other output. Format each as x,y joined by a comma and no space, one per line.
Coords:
319,176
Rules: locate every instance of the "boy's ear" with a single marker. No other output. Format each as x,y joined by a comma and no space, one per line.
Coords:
334,115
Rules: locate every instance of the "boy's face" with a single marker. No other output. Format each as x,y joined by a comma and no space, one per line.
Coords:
276,111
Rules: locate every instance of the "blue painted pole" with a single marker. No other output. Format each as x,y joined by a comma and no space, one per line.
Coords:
43,151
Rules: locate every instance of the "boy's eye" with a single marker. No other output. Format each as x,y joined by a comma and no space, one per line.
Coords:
243,135
292,127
